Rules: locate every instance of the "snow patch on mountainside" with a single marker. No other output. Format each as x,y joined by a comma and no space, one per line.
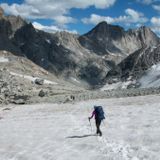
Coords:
117,85
151,77
74,80
3,60
32,78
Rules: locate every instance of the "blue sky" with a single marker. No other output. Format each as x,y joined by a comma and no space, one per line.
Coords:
82,15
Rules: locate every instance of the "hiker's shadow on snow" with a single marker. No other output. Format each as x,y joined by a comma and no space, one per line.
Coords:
82,136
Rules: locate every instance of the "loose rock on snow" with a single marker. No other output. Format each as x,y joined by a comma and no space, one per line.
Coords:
39,81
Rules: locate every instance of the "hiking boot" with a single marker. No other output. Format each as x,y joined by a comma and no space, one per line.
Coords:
100,134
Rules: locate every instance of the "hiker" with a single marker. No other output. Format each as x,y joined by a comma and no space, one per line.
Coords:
98,113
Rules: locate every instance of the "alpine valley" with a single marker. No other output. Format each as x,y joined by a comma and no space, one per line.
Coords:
107,57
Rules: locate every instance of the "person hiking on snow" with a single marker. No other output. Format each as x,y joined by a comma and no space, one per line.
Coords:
98,113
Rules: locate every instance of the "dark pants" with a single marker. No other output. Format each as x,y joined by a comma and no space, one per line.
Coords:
98,123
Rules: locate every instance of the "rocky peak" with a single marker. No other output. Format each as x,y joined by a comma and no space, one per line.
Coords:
64,34
144,28
10,24
105,30
5,27
101,27
1,12
147,36
8,27
65,37
106,38
16,22
25,33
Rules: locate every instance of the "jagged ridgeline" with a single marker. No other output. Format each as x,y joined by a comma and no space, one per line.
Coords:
84,60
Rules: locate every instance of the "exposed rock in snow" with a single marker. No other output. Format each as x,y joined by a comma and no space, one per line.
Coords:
39,81
42,93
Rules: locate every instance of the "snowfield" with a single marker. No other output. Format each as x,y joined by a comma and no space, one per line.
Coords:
131,131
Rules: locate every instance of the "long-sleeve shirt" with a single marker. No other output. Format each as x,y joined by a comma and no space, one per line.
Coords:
93,114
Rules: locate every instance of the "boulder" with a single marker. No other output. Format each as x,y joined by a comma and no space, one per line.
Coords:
2,98
39,81
19,99
42,93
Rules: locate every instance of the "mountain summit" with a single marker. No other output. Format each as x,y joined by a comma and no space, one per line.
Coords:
110,39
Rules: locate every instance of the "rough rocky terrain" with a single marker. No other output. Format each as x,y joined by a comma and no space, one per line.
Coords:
22,81
19,86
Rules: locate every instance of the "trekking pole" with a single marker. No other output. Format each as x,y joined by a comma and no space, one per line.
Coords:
104,119
90,124
104,123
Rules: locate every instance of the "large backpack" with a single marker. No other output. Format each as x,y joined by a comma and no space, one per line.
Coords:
99,112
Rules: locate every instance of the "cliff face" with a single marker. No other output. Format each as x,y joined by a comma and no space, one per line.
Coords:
8,27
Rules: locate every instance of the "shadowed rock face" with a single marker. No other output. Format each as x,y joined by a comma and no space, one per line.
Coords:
99,38
44,49
8,26
87,58
5,33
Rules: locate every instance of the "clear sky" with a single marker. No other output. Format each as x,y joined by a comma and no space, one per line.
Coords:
82,15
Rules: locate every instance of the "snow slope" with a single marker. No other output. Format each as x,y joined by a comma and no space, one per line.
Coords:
151,78
117,85
62,132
